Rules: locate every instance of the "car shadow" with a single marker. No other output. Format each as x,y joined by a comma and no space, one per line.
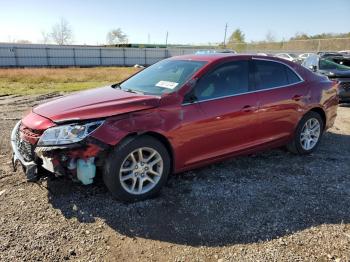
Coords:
243,200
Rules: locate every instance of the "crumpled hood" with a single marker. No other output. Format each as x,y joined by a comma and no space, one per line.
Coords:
95,103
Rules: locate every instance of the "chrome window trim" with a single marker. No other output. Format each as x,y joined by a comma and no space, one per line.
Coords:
254,91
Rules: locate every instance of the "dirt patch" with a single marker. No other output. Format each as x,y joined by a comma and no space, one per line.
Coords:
270,206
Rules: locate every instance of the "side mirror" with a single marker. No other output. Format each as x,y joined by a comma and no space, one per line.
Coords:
190,96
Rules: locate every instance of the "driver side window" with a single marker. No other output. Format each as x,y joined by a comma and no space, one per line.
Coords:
226,80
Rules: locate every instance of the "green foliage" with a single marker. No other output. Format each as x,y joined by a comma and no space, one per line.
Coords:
237,37
304,36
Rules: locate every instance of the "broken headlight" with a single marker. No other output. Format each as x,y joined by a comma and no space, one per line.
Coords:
67,134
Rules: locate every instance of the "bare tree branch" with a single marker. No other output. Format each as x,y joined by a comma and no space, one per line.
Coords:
62,33
45,37
116,36
270,37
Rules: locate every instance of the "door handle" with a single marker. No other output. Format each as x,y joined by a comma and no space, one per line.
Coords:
248,108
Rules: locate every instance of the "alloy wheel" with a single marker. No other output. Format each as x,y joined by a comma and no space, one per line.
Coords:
141,170
310,134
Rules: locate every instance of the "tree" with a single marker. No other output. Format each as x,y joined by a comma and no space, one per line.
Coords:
61,33
116,36
45,37
269,37
300,36
237,37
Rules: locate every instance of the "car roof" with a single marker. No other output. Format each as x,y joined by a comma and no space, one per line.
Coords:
203,57
210,57
221,56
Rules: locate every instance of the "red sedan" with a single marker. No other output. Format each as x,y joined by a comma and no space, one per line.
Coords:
179,114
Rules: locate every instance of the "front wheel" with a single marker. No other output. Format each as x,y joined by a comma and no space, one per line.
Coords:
307,135
137,169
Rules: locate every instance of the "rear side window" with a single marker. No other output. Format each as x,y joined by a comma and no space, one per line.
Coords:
269,74
292,77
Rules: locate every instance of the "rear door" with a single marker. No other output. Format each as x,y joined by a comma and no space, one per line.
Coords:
282,95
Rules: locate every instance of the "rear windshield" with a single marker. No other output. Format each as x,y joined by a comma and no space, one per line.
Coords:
163,77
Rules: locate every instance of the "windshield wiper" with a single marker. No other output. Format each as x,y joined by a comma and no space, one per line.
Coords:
127,89
132,91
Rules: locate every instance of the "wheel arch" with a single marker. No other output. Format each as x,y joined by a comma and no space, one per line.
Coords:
322,113
159,137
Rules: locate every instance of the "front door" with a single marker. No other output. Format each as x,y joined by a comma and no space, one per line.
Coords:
226,118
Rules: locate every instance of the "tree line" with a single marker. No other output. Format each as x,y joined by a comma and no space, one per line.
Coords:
61,33
238,37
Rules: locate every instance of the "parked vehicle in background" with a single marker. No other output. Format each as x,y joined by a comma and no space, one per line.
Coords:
228,51
346,52
178,114
335,66
214,51
290,57
304,56
206,52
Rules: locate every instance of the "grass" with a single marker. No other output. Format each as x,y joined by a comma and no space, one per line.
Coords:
30,81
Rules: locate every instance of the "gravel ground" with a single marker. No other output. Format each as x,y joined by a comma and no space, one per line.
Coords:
271,206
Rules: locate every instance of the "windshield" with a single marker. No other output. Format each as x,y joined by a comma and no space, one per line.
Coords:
163,77
293,55
326,64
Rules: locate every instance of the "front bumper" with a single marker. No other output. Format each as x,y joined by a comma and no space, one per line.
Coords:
68,160
30,167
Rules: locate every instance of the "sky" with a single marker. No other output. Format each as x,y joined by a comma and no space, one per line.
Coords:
187,21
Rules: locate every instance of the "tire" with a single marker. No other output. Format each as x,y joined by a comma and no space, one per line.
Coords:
121,182
297,144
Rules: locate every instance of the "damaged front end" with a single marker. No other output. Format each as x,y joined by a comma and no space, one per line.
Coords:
65,150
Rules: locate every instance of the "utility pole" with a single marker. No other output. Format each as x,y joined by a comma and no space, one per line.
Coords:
225,35
166,39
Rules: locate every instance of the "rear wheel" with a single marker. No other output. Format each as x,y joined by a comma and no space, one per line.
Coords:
137,169
307,135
